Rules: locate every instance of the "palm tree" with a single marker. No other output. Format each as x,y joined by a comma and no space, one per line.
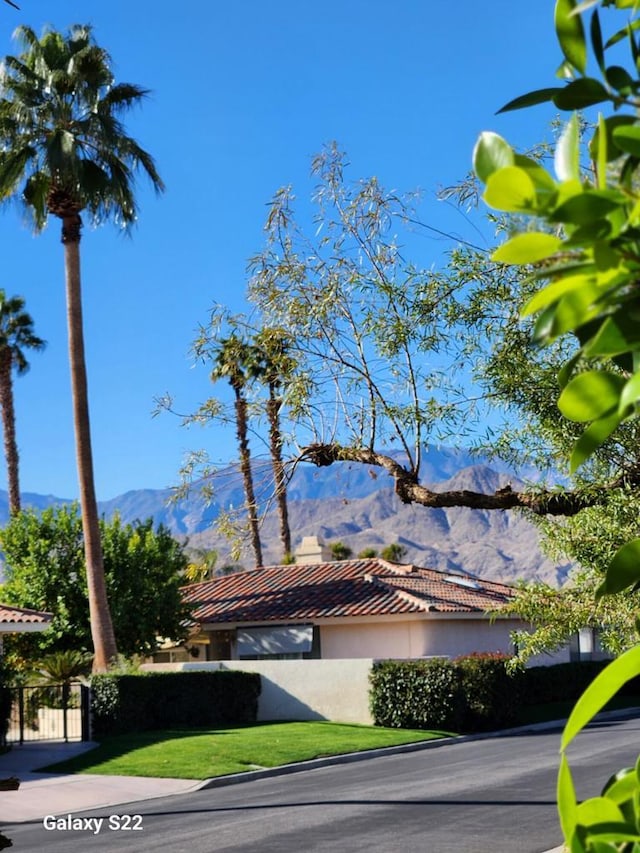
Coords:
239,362
16,335
63,151
276,367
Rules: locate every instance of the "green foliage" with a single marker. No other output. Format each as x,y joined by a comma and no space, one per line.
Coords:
45,570
63,667
491,691
149,701
61,129
340,551
417,694
591,294
395,552
475,693
6,682
367,554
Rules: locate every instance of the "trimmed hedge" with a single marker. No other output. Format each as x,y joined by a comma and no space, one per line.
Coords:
492,696
417,694
474,693
135,703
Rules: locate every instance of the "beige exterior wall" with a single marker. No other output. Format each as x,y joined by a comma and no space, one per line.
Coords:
336,690
415,639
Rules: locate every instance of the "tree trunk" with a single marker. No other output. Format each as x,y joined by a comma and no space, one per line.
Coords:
247,476
104,642
280,480
9,431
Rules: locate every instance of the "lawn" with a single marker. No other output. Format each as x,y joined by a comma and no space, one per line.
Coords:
204,753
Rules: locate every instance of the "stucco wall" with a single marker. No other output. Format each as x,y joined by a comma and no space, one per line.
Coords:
336,690
415,639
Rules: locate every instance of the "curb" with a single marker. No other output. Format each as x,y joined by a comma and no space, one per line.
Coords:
416,746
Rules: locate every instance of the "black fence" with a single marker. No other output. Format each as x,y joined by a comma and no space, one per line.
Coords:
55,712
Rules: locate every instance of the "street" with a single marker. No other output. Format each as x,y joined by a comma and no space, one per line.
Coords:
487,796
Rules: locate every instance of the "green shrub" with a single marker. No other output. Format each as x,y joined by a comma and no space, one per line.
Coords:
5,702
134,703
491,694
416,694
563,682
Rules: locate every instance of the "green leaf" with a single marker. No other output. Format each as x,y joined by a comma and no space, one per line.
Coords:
567,153
598,810
510,189
586,208
623,571
570,32
592,438
627,138
491,153
554,292
610,124
591,395
581,94
531,99
603,688
527,248
622,785
541,178
577,308
631,392
615,336
564,374
566,797
620,79
596,39
623,33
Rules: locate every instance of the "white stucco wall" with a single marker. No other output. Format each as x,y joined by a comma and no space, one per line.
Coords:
336,690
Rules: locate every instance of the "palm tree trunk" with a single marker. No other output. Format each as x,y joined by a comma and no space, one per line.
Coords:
247,476
9,432
104,642
280,480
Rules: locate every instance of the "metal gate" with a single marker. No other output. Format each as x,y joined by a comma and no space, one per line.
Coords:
55,712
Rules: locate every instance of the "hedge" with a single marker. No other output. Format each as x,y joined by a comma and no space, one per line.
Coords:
5,703
474,693
135,703
417,694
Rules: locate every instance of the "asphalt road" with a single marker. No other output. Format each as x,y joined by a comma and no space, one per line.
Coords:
487,796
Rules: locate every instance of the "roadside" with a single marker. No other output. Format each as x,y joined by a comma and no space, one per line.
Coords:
64,794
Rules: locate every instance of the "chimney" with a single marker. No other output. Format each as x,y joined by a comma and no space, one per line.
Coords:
312,550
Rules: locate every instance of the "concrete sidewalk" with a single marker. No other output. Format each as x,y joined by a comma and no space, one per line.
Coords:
43,794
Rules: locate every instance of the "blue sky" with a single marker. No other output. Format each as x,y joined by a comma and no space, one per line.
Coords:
243,94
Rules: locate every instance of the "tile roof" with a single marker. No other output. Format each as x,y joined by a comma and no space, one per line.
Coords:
22,616
371,587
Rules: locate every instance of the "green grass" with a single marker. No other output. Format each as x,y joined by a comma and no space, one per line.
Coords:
203,753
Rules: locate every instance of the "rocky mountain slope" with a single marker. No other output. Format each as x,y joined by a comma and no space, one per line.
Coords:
356,505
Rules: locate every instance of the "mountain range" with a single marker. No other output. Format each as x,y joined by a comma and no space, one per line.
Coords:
356,505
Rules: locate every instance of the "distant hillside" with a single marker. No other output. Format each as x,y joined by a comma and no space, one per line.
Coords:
356,505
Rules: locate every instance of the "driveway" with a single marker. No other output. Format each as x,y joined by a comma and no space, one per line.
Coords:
486,796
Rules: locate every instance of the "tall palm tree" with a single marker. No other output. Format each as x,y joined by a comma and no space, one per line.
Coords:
64,151
239,363
16,335
276,366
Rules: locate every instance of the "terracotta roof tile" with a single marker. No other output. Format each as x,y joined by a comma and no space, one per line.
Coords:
22,615
372,587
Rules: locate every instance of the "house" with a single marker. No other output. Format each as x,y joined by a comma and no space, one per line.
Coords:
356,608
19,620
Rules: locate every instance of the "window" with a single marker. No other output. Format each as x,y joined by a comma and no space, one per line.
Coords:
281,642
